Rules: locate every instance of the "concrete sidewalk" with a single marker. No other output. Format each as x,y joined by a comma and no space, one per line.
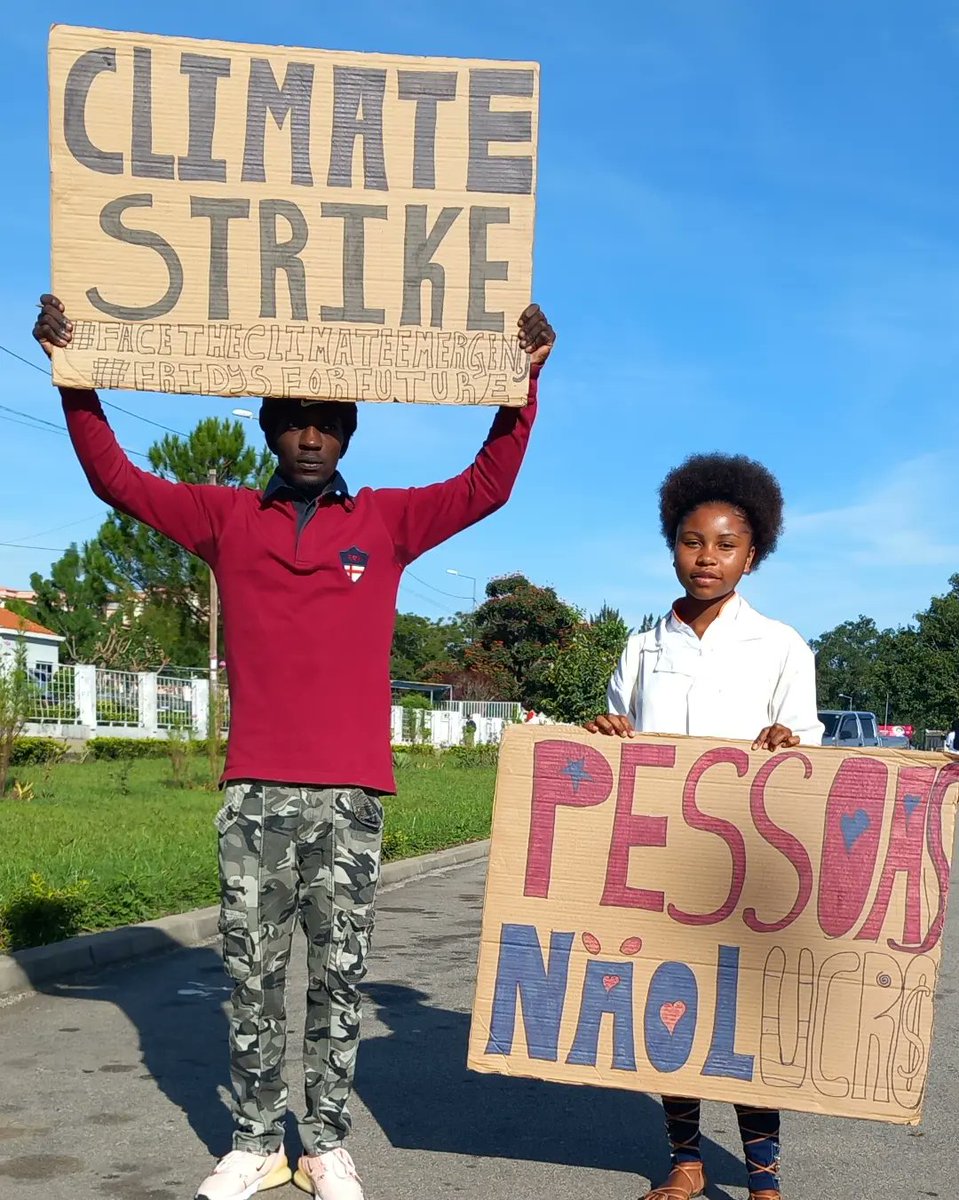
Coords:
112,1087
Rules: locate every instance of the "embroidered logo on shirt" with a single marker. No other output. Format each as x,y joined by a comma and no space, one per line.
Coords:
354,562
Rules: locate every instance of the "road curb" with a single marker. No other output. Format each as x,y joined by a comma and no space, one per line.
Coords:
29,970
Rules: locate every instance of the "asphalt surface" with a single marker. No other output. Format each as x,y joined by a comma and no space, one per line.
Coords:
113,1087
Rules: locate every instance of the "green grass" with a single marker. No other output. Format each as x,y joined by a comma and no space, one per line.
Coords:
103,844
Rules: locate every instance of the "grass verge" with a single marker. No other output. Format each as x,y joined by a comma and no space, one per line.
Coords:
102,844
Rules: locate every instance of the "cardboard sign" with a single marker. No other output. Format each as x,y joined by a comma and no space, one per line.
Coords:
253,220
686,917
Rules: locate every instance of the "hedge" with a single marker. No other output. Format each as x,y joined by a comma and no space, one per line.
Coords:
110,748
35,751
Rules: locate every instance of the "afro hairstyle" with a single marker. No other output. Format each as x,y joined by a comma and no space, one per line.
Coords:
728,479
268,409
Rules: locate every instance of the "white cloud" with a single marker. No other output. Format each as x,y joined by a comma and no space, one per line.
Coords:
902,521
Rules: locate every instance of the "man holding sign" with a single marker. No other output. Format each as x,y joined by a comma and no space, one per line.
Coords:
308,574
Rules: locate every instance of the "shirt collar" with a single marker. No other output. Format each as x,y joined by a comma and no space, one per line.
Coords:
733,607
278,488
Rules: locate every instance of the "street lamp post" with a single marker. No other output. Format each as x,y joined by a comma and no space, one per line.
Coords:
843,696
459,574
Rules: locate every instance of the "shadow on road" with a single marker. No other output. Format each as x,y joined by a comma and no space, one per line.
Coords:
415,1083
174,1001
413,1079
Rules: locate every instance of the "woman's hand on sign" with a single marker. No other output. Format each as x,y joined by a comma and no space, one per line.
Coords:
536,335
775,737
52,329
611,724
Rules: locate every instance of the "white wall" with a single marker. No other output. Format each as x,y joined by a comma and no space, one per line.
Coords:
39,649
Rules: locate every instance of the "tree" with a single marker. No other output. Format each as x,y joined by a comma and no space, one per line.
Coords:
920,667
175,582
129,560
580,674
516,633
17,696
72,600
846,665
422,646
907,673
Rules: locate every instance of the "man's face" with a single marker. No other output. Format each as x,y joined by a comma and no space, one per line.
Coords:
307,440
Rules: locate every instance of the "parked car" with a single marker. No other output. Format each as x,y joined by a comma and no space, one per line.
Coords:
894,741
848,729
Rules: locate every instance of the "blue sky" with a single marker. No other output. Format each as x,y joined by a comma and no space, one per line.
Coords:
746,238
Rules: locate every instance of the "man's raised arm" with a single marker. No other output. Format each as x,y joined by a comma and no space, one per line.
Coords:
420,518
190,514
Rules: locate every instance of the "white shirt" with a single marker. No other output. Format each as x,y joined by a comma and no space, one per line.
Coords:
746,672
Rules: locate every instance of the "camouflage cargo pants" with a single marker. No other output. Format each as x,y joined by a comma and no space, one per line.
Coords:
285,853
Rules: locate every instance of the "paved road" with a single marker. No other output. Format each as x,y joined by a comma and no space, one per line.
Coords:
112,1088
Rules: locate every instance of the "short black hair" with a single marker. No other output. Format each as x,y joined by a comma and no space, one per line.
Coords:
727,479
347,413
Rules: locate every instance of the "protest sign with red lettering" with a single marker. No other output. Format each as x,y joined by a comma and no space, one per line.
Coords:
689,917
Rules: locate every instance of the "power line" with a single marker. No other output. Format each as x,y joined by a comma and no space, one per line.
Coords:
428,599
31,425
433,588
137,417
41,426
52,549
106,403
30,417
19,357
56,529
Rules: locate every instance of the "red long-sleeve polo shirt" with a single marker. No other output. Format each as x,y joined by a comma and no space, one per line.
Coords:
308,618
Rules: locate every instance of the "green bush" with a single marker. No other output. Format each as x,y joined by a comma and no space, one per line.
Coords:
104,748
473,756
116,747
35,751
38,914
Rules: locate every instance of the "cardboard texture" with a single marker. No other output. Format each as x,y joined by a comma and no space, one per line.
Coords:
685,917
255,220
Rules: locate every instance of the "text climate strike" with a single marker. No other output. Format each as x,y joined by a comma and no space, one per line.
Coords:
685,916
253,195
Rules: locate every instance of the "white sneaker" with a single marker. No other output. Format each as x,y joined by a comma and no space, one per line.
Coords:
330,1176
241,1173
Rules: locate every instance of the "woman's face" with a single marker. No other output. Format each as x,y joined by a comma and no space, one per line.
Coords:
713,551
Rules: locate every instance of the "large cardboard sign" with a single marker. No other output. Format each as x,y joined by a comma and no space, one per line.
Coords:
689,918
254,220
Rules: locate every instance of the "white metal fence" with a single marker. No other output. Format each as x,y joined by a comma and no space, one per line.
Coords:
117,698
84,701
500,710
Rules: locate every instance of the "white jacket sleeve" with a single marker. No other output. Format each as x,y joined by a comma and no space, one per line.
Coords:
794,698
621,693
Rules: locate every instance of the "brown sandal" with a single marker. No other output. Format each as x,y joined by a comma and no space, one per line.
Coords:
766,1194
691,1183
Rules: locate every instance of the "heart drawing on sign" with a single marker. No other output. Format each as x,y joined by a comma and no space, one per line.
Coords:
610,981
910,804
671,1014
853,827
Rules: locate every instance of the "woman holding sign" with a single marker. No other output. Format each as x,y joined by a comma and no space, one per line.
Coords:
714,667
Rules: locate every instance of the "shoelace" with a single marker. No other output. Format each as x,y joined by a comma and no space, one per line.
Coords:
239,1160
